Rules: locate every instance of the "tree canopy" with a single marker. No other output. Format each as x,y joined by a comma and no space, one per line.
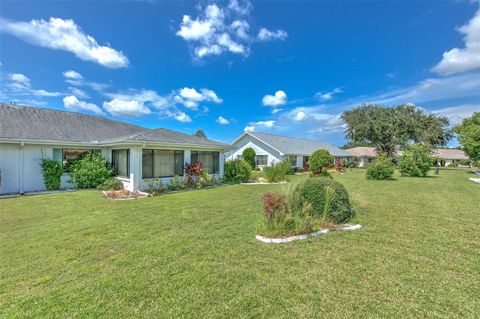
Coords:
390,127
200,133
468,134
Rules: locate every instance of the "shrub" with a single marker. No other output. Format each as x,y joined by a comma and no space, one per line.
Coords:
465,162
90,171
329,200
249,156
205,180
299,170
111,184
338,165
277,172
275,208
319,161
52,173
177,183
415,161
193,170
452,164
381,168
237,171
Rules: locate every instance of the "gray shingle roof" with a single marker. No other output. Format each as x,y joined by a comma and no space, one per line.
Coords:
32,123
297,146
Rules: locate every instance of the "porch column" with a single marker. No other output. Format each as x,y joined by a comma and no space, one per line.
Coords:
135,168
187,156
221,162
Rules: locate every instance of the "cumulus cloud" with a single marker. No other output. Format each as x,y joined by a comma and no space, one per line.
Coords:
74,75
78,93
66,35
280,98
463,59
300,116
126,108
190,97
182,117
325,96
218,30
267,35
252,127
222,121
72,103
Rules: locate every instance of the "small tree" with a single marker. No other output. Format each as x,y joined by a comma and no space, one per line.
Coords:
237,171
468,134
416,161
193,170
52,173
319,160
249,156
381,168
201,133
90,171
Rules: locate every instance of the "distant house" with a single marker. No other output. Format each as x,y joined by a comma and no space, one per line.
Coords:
364,155
271,149
447,156
29,134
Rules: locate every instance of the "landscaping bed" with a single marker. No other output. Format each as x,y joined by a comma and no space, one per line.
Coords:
123,194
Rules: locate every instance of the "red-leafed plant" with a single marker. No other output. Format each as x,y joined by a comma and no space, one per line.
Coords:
193,170
338,164
275,207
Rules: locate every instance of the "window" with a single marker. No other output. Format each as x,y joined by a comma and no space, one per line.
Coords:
292,159
305,162
162,163
209,160
71,155
261,160
121,162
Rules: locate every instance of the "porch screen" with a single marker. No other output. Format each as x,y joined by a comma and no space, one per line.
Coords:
162,163
262,160
120,161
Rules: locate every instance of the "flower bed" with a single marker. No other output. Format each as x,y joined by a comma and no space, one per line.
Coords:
123,194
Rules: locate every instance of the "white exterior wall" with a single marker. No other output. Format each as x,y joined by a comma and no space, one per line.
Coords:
259,147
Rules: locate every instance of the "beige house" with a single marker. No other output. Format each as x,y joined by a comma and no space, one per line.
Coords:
447,156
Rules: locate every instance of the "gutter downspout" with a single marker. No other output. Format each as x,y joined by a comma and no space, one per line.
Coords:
22,143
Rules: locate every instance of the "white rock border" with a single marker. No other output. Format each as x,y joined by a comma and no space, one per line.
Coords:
476,180
285,240
257,183
143,195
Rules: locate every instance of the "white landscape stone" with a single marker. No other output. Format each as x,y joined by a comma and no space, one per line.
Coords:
476,180
285,240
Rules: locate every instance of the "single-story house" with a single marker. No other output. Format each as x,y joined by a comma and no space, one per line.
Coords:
28,134
447,156
271,149
364,155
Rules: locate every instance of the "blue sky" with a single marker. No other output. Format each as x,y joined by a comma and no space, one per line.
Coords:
286,67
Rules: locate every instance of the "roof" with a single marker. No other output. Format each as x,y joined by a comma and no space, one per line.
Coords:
40,124
450,153
362,151
295,146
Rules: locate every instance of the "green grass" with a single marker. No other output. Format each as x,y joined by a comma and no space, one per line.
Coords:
193,254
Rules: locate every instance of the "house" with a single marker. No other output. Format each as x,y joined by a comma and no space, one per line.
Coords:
447,156
271,149
364,155
28,134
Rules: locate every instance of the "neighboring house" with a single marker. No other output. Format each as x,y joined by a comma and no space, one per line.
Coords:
28,134
447,156
364,155
271,149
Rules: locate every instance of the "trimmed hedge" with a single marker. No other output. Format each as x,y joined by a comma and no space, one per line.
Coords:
328,198
381,169
249,156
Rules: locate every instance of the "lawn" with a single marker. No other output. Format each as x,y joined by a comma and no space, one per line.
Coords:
194,254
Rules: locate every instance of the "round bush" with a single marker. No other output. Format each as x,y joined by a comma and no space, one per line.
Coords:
237,171
90,171
416,161
319,160
328,199
381,168
249,156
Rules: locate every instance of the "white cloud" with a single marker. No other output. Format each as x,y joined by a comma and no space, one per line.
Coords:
222,121
60,34
72,103
218,30
190,97
280,98
78,93
182,117
267,35
463,59
457,113
73,75
300,116
325,96
191,94
20,85
125,108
